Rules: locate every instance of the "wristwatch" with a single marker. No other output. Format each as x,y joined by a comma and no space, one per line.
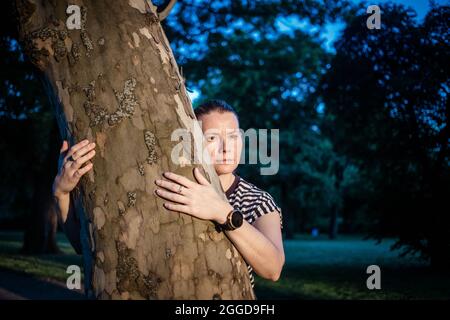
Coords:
234,220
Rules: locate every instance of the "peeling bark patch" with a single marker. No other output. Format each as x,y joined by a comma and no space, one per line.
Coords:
151,282
150,141
121,207
74,55
138,5
131,199
127,270
87,42
151,18
99,279
215,236
45,42
129,278
99,217
215,275
96,114
59,47
141,169
145,33
101,141
136,39
99,115
127,102
101,256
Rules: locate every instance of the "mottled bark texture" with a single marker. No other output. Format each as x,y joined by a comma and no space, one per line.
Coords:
116,82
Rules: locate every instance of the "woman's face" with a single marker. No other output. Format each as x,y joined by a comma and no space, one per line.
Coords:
224,140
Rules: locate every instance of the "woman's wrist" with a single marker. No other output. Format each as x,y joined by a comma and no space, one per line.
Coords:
222,213
58,194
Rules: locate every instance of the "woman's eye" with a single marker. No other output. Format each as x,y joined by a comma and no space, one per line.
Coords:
210,138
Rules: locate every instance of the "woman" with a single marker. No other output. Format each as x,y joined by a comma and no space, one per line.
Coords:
258,238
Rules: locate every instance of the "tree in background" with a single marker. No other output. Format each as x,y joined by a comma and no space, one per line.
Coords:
28,146
386,98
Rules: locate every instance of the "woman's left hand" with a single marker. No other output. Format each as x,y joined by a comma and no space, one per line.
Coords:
200,199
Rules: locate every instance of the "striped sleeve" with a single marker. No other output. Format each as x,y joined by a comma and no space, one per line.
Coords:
266,204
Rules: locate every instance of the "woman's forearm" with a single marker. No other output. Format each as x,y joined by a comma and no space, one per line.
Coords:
263,256
62,202
68,220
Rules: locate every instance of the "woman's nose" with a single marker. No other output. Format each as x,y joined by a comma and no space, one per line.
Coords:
227,146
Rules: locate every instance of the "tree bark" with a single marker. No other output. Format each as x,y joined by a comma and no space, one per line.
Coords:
115,81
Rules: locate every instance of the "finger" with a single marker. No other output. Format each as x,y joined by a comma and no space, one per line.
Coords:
76,147
174,187
172,196
179,179
177,207
83,151
64,147
80,161
200,178
80,172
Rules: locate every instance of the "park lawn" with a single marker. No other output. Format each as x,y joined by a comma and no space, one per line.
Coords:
336,269
46,266
315,268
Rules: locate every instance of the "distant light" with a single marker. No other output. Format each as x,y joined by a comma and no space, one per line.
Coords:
193,94
315,232
320,108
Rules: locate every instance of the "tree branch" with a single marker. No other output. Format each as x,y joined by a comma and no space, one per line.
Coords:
164,10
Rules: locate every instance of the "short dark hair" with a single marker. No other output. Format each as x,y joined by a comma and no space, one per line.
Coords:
214,105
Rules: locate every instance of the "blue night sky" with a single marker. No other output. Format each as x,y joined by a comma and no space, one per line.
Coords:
333,30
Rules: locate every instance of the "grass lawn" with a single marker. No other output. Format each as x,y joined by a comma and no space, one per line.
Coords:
316,268
41,266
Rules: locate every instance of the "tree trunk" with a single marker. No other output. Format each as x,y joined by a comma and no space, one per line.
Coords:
333,226
115,81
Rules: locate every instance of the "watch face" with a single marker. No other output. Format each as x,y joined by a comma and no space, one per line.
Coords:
237,219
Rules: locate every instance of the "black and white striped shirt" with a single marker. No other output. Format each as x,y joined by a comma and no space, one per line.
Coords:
253,202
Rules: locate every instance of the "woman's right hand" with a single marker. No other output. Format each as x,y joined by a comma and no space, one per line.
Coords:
70,166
